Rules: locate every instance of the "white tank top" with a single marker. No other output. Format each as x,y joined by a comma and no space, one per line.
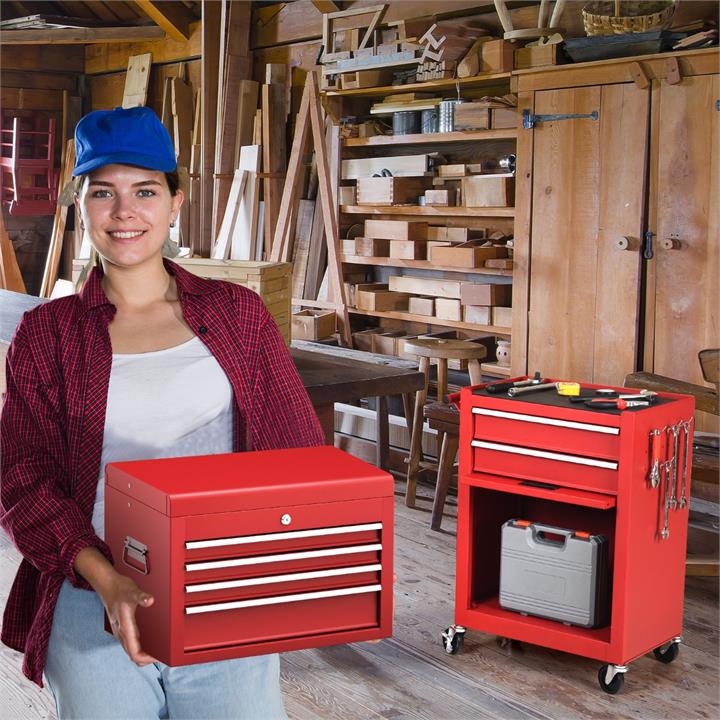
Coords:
167,403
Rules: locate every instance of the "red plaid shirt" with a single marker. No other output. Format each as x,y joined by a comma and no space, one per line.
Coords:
51,430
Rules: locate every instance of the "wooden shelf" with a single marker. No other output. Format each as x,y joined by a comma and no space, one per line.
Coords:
419,265
418,138
428,211
429,320
483,80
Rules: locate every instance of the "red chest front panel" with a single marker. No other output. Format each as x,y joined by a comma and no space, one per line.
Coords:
244,582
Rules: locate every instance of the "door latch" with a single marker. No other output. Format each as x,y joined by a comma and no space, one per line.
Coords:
529,120
648,245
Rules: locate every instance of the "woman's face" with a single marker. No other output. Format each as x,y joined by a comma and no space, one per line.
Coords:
127,211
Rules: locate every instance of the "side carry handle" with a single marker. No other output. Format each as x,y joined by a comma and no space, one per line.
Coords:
135,555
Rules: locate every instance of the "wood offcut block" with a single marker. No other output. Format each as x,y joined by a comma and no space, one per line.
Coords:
386,343
503,118
448,309
377,297
465,255
347,195
497,56
440,198
477,314
453,234
421,306
499,264
313,324
408,250
452,171
486,294
425,286
471,116
488,191
538,55
502,317
372,247
272,281
398,165
363,340
391,190
396,230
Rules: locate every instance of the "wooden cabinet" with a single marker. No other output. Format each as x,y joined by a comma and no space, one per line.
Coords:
587,304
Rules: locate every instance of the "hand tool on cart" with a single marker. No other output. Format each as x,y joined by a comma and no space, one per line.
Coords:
656,439
504,386
667,468
674,430
613,395
617,403
683,490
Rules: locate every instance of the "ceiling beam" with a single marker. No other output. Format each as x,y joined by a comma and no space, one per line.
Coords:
81,36
173,17
325,6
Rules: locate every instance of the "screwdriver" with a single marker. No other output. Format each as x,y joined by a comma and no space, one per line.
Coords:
617,403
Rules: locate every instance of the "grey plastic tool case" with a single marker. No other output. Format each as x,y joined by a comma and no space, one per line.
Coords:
560,579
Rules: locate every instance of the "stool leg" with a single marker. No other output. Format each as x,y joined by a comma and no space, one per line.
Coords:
445,466
382,432
409,409
475,374
416,437
442,379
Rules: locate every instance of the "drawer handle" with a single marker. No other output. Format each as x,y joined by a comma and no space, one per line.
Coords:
291,577
575,459
283,557
547,421
258,602
269,537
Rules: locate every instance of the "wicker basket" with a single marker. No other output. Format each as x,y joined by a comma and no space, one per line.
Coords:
618,18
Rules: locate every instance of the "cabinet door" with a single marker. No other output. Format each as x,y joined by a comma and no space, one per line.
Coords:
683,288
587,197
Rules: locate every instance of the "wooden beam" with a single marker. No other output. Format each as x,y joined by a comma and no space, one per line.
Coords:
81,36
325,6
173,17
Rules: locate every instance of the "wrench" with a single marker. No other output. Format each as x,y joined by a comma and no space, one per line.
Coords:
683,492
655,451
675,430
665,533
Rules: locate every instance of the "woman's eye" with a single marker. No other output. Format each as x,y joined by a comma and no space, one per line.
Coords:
101,194
146,193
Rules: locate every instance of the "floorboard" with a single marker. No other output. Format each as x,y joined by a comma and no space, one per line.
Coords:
411,677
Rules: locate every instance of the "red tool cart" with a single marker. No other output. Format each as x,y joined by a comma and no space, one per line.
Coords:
252,553
619,474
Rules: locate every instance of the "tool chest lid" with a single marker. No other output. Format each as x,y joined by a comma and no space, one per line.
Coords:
248,480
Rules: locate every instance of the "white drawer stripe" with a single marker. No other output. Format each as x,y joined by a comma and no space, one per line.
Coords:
547,421
257,602
575,459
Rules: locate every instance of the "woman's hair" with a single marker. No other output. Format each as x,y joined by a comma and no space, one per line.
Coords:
172,178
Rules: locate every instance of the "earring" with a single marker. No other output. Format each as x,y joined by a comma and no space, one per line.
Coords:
172,224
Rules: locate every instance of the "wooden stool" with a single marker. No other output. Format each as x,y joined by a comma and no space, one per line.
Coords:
445,418
442,351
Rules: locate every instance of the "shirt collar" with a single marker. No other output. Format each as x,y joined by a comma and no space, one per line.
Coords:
92,295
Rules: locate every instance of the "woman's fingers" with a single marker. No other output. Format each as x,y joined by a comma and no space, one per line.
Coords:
125,629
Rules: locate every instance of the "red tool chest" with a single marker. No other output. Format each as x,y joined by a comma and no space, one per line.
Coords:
252,553
542,458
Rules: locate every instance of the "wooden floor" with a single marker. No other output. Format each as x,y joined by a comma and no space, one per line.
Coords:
411,676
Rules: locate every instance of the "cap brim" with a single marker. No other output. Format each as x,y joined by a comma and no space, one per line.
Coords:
138,159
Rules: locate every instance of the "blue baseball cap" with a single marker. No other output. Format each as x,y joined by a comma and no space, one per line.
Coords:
128,136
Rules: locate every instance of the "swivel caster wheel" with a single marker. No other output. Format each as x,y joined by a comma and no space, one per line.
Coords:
668,652
453,638
612,678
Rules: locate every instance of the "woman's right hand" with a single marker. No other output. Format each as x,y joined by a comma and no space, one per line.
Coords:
121,597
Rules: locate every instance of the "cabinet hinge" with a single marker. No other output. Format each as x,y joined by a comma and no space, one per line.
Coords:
529,120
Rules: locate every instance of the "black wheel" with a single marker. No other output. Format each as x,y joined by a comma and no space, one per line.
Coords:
669,655
453,641
615,685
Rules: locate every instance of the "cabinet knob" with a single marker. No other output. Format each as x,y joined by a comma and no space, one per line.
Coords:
670,243
627,243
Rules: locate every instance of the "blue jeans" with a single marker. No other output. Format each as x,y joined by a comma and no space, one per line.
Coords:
92,677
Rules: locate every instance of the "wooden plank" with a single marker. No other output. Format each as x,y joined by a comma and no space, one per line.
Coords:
195,214
58,232
10,275
425,286
210,66
67,59
246,107
39,80
245,229
301,246
274,107
30,99
181,96
396,230
136,81
221,248
173,18
81,36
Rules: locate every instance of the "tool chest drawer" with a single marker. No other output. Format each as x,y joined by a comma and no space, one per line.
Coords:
558,468
543,432
261,575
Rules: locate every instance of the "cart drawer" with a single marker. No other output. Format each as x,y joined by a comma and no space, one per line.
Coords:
546,433
263,619
564,469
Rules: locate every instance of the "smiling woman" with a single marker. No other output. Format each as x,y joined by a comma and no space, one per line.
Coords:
148,361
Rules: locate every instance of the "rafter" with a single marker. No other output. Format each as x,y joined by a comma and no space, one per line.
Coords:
173,17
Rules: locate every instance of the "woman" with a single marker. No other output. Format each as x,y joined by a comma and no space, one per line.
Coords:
147,361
